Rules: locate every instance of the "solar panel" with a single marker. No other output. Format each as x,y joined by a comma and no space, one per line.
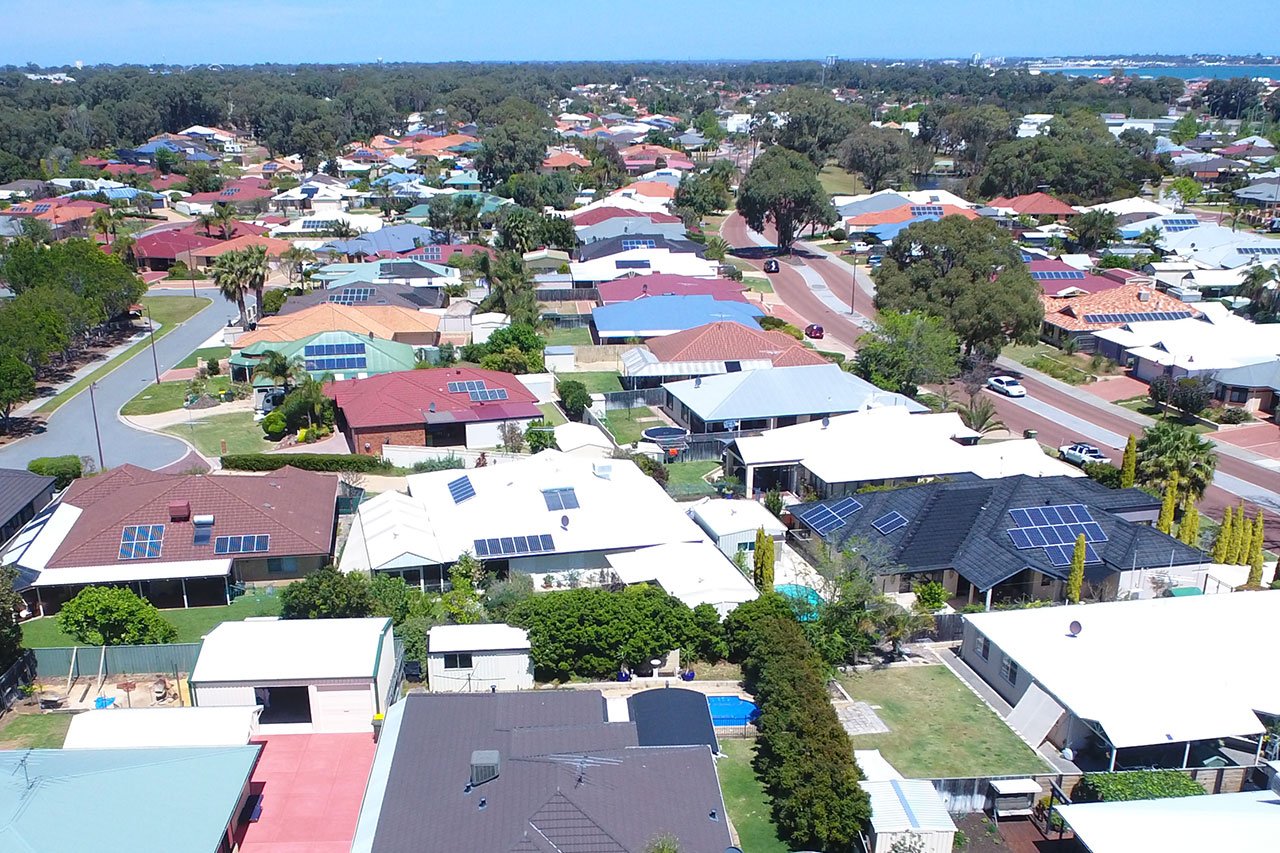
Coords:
461,489
314,365
252,543
1060,555
926,210
631,265
352,295
823,519
846,507
1054,528
42,208
488,395
466,387
1057,275
629,244
141,541
890,522
1137,317
1260,250
504,546
558,499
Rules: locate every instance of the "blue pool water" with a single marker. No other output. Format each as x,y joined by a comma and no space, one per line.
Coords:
731,710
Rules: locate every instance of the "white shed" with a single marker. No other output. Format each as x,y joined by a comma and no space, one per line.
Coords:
140,728
473,658
309,675
732,524
908,808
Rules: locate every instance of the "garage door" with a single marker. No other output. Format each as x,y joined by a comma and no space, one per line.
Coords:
342,708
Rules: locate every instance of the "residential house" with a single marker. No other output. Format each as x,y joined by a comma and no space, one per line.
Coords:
246,195
617,245
642,319
160,250
549,513
178,539
205,256
22,496
396,295
1067,675
506,772
546,260
1245,822
1058,278
1254,387
478,659
635,287
397,239
755,400
641,261
158,726
1003,539
410,271
1035,205
719,347
599,223
388,322
1079,317
67,216
1212,340
442,407
887,446
694,572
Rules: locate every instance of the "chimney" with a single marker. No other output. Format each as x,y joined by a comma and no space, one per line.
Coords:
485,764
179,510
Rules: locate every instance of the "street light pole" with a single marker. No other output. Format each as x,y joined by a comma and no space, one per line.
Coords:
151,328
93,405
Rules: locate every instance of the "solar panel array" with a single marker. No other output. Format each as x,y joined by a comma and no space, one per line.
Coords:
541,543
468,385
1260,250
430,253
229,191
311,350
317,224
253,543
486,395
1055,529
631,265
352,295
635,243
558,499
1174,229
926,210
141,541
461,489
44,207
1057,275
348,362
1135,317
824,519
890,522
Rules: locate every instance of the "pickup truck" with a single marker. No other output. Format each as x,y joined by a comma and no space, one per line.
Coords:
1082,454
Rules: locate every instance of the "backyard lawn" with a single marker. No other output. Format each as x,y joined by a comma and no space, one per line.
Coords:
938,728
745,799
168,396
626,424
596,382
207,432
551,414
204,355
34,731
684,479
579,337
192,623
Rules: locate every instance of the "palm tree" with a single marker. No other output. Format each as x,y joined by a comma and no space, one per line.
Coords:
980,415
1166,449
716,248
207,221
294,259
466,215
385,193
224,216
229,278
896,625
311,390
255,267
1151,238
344,230
104,220
1259,284
510,288
274,366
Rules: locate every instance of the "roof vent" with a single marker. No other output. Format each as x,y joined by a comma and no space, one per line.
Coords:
179,510
603,470
485,764
1144,296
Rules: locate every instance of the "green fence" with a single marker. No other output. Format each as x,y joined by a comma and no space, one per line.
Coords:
120,660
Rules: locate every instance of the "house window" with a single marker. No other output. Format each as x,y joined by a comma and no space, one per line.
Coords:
1239,395
983,647
1009,670
1045,580
458,661
278,565
747,546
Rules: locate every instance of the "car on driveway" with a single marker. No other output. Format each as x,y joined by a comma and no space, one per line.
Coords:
813,330
1082,454
1007,386
771,265
858,247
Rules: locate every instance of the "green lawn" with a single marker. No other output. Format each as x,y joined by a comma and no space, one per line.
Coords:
745,799
1144,406
938,728
167,311
551,414
837,181
168,396
597,382
684,479
579,337
759,285
192,623
204,355
35,731
207,432
626,427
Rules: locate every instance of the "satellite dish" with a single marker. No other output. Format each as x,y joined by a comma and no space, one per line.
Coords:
826,421
564,522
1074,628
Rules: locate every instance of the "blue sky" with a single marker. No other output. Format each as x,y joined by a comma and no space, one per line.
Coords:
239,31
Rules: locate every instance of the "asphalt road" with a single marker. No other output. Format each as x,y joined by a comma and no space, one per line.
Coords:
70,429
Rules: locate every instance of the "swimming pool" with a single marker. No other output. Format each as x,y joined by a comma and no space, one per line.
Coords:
807,599
731,710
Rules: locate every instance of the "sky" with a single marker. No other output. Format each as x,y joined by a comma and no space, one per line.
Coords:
328,31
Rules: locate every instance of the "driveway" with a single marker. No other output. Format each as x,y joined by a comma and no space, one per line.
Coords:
70,429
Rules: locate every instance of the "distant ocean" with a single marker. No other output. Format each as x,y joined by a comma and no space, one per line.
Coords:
1186,72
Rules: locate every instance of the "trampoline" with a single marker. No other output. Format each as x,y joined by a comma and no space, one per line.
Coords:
731,710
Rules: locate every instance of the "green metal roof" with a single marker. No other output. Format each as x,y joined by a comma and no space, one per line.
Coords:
170,800
381,356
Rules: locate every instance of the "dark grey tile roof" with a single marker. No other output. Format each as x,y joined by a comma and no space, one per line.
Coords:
397,295
569,782
613,245
19,488
963,525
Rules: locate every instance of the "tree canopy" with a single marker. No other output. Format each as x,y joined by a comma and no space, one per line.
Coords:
907,350
114,616
878,154
782,188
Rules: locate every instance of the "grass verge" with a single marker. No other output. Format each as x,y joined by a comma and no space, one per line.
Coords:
745,799
167,311
204,355
837,181
168,396
192,622
238,429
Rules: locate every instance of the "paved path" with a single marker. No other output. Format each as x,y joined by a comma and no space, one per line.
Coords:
70,429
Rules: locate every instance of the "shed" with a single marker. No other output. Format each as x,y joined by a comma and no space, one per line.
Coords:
309,675
908,809
732,524
115,728
472,658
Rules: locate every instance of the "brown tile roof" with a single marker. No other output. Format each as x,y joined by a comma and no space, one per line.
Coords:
1035,204
1069,312
382,321
415,396
725,341
275,248
565,159
295,508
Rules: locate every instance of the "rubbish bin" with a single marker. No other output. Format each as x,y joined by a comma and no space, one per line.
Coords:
1029,433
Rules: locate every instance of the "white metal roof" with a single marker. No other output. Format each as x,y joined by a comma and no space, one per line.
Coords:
134,571
1142,670
874,766
907,805
1248,822
119,728
476,638
289,649
722,517
694,572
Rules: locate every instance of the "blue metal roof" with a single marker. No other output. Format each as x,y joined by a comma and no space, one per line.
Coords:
664,314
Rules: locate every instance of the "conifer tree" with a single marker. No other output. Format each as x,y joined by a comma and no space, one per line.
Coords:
1222,545
1164,523
1189,529
1129,463
1075,580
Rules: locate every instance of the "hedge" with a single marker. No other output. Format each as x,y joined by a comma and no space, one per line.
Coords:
329,462
1136,785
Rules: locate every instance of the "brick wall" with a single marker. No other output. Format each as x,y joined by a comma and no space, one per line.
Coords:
376,438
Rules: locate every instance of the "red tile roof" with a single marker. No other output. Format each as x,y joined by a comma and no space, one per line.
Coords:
725,341
639,286
1035,204
1069,312
413,397
600,214
171,244
1090,283
296,508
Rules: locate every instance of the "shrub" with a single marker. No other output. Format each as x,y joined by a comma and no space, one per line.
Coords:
1232,415
779,325
179,270
273,301
114,616
63,469
334,463
654,469
740,625
930,595
540,435
1104,473
574,397
1135,785
731,272
212,367
773,502
444,463
274,425
1189,394
327,594
838,234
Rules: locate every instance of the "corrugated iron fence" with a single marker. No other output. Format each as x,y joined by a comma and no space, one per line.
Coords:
22,673
88,661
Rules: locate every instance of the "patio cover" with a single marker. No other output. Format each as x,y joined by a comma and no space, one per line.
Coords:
1242,823
128,572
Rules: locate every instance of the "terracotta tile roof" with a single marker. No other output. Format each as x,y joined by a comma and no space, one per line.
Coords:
1069,312
275,248
725,341
238,229
381,321
435,145
651,189
904,212
565,159
295,508
415,396
1035,204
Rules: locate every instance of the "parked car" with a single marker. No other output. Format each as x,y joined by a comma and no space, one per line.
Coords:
1007,386
813,330
858,248
875,260
1082,454
771,265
